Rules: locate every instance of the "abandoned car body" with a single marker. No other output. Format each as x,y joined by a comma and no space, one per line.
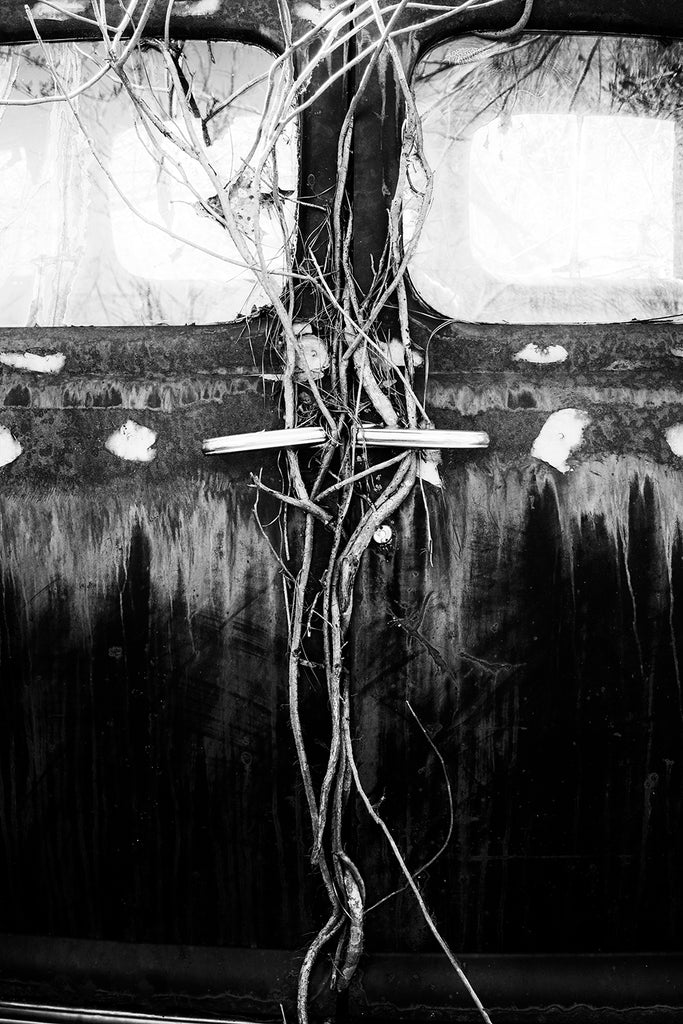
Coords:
513,639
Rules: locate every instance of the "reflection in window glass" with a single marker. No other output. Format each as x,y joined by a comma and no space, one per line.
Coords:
600,213
104,220
558,180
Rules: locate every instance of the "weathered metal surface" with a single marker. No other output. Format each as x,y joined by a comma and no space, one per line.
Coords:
143,351
260,19
142,640
199,19
143,978
637,16
546,632
536,990
170,981
613,429
147,775
256,983
148,789
608,349
545,390
541,651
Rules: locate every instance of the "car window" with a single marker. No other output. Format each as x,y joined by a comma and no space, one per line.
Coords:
104,219
558,179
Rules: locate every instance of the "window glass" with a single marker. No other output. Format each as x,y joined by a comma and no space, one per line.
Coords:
105,220
558,180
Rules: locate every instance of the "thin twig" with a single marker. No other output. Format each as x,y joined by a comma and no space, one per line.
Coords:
361,476
451,817
429,920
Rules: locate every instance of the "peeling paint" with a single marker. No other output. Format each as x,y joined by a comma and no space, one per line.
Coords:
46,12
674,438
383,535
313,356
514,393
118,393
560,435
197,8
498,644
30,361
394,352
74,544
92,577
314,15
132,442
542,354
10,449
316,357
428,471
202,551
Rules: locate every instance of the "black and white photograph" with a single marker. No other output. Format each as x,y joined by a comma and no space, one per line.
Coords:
341,512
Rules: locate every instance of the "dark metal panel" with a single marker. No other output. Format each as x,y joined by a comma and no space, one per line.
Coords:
540,648
610,350
191,18
537,990
143,978
91,978
261,19
148,789
143,352
147,778
645,17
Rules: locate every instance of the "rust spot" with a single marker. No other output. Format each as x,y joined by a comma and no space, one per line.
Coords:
521,400
18,395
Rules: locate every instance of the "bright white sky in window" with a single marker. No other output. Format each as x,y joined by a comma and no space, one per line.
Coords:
558,180
104,224
570,196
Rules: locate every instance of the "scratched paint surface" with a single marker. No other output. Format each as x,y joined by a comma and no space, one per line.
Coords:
144,770
147,781
541,652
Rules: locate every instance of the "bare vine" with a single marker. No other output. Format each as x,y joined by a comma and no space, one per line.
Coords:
341,507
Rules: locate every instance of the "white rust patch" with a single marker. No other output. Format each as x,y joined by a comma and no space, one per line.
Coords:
561,434
394,352
61,11
30,361
312,353
544,355
132,442
383,535
428,472
314,15
198,8
674,438
10,449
